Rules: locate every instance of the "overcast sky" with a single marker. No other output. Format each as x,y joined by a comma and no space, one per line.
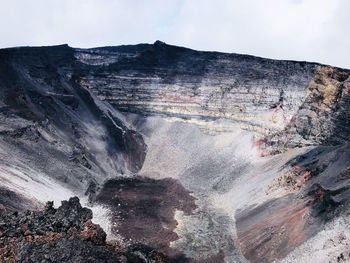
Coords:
312,30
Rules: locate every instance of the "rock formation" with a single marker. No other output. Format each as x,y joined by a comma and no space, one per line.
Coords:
257,94
182,155
65,234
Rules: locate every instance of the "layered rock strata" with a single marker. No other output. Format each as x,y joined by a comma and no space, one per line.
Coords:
253,93
323,118
217,142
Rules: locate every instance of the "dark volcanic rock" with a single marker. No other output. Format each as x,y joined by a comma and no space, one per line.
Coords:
69,214
144,209
63,235
56,126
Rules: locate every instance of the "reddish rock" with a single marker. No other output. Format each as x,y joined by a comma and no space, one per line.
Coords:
93,233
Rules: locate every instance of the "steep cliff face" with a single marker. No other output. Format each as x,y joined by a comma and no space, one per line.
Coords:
52,126
253,93
323,116
202,156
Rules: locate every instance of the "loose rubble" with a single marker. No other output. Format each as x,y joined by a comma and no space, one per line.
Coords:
65,234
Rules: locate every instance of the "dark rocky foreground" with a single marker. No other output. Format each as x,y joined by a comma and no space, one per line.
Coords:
65,234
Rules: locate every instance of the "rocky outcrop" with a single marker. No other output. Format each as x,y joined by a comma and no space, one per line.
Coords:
252,93
55,126
323,118
290,102
63,235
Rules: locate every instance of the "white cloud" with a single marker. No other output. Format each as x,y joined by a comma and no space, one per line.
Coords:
312,30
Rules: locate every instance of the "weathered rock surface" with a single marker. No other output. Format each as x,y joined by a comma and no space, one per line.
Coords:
198,86
301,99
215,158
14,201
323,118
52,125
314,192
63,235
144,210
